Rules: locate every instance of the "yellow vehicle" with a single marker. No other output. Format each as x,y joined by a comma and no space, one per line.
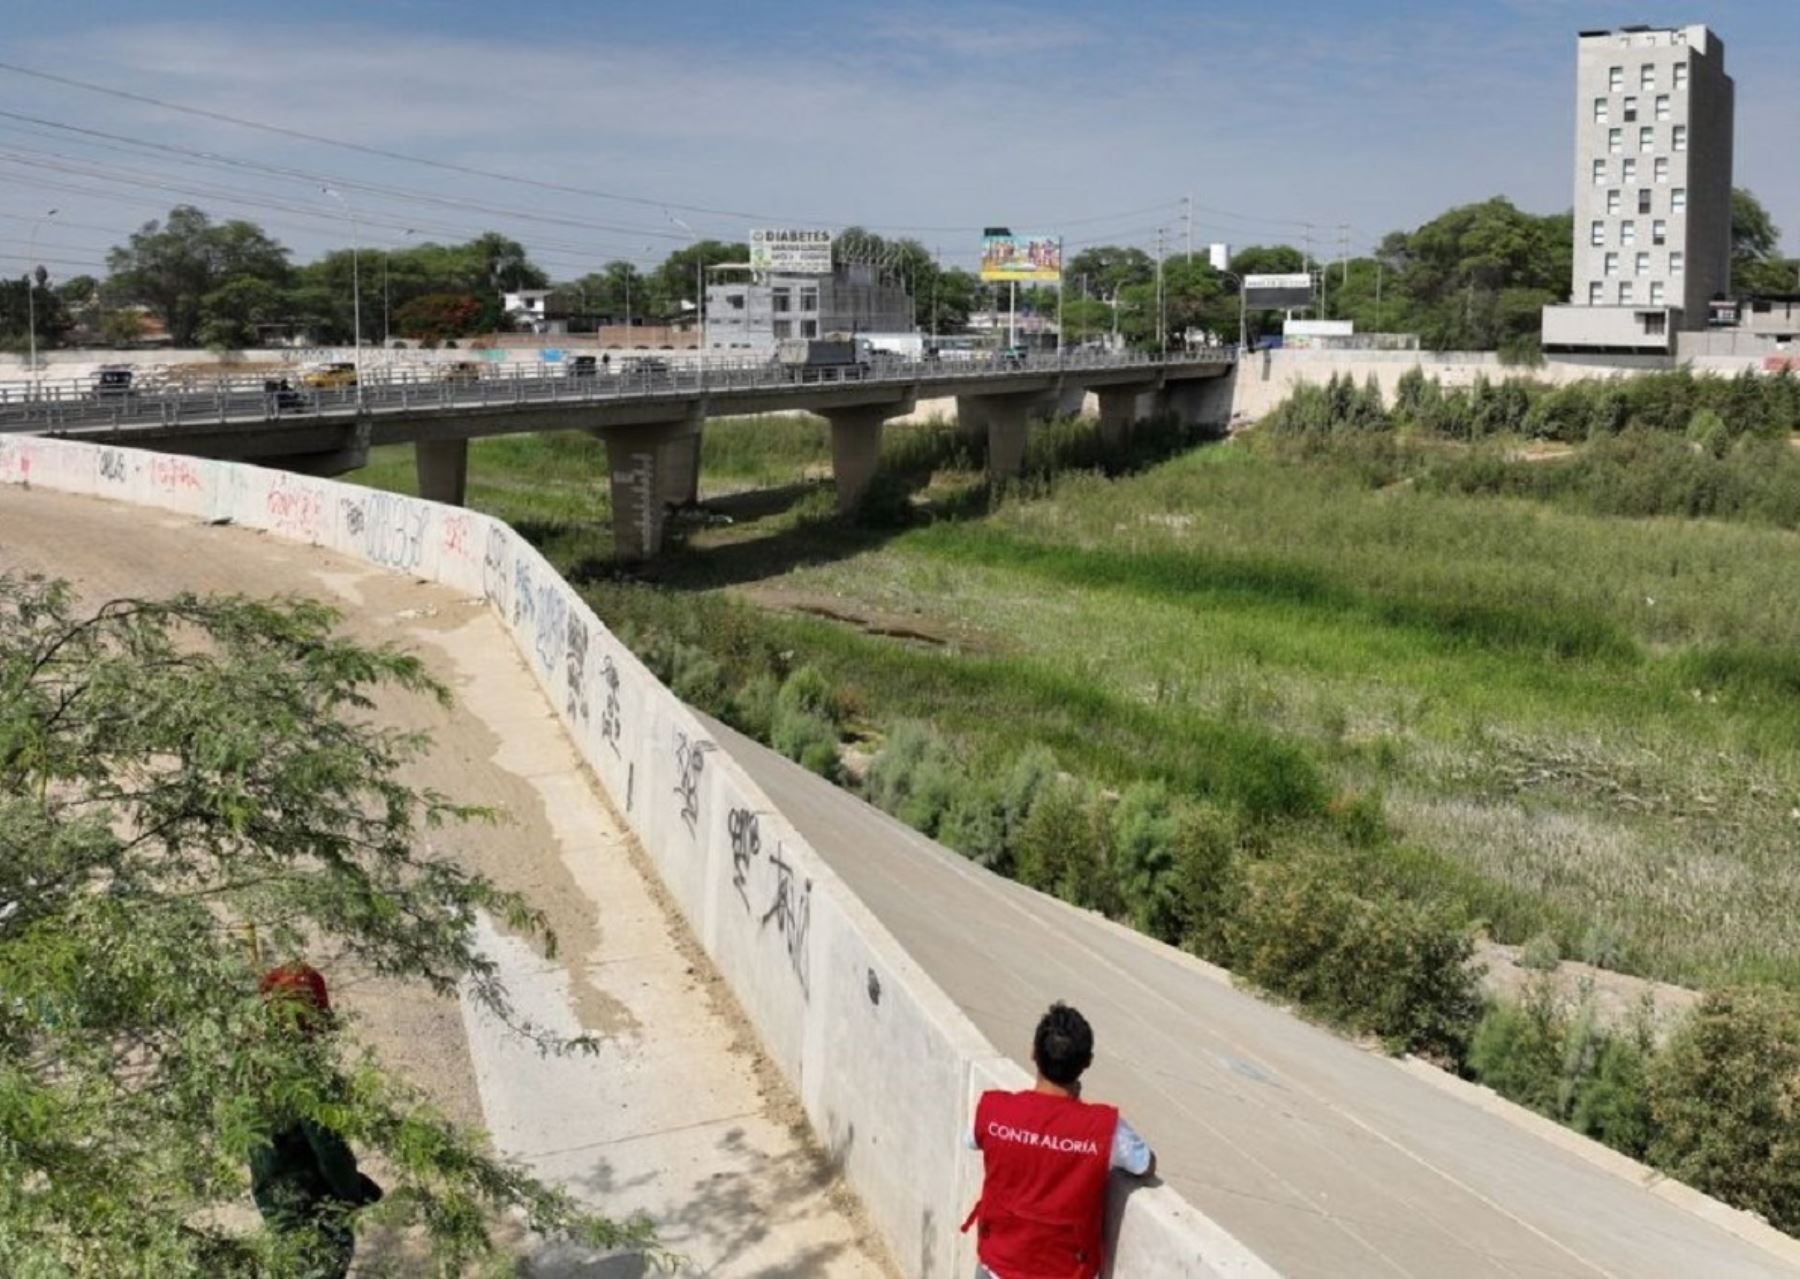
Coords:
328,376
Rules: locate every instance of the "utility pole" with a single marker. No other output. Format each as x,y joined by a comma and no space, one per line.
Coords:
31,284
1162,341
1187,206
355,286
1306,252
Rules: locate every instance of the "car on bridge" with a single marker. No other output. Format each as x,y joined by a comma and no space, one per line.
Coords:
114,382
461,372
326,377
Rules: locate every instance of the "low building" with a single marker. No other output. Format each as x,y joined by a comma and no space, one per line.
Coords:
750,317
529,310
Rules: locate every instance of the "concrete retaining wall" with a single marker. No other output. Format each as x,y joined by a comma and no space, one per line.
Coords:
884,1063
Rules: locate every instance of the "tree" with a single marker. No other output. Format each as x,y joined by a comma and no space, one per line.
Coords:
1757,266
121,326
437,316
236,309
174,774
172,266
17,300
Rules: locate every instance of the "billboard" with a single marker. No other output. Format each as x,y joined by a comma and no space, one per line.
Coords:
1277,292
791,251
1021,257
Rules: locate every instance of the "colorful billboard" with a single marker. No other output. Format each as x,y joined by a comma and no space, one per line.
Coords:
1022,257
791,251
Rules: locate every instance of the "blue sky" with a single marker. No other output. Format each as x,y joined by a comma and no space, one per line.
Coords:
931,119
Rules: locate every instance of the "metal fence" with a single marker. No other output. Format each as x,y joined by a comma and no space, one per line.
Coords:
75,404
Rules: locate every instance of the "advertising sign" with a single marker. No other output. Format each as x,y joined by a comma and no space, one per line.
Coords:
791,251
1021,257
1277,292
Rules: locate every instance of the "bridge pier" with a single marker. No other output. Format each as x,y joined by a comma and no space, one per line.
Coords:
650,468
443,470
856,448
1119,412
1008,427
972,419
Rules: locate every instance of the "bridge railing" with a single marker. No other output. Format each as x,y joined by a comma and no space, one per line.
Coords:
70,405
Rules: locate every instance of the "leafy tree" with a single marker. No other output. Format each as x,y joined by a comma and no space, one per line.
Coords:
16,304
436,316
121,326
1110,266
675,280
172,266
1756,263
235,310
174,774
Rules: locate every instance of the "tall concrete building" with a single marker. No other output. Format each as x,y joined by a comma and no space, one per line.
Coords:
856,298
1653,138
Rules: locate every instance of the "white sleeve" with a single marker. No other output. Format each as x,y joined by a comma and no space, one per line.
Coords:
1130,1152
969,1142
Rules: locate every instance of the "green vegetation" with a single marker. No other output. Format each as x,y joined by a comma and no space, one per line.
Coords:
186,786
1321,705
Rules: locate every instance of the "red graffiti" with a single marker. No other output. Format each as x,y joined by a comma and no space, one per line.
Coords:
174,473
459,537
295,511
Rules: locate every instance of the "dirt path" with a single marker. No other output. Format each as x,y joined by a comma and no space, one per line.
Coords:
678,1115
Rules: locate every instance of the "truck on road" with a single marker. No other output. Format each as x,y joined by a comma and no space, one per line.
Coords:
825,359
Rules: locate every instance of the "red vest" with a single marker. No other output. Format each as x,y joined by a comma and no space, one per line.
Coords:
1042,1213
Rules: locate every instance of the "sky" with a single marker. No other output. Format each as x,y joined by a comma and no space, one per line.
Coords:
660,122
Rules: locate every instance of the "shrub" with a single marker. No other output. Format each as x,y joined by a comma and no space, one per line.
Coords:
975,825
752,708
807,738
915,777
1378,964
1055,826
1708,430
1032,771
1725,1101
1208,879
1144,828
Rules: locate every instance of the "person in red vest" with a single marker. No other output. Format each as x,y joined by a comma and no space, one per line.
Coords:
1047,1155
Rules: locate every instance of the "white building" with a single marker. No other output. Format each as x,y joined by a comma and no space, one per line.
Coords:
527,309
1653,143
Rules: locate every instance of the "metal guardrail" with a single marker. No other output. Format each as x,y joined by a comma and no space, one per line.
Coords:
76,405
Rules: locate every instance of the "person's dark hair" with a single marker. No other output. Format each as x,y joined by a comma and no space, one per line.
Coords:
1063,1046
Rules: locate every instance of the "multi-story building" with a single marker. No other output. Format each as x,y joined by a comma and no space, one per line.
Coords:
1653,139
856,298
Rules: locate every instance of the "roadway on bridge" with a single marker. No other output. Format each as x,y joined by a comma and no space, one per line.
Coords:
1325,1159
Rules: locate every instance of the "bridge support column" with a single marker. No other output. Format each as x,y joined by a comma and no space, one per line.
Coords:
1118,413
856,450
1008,426
651,467
1198,403
972,419
443,469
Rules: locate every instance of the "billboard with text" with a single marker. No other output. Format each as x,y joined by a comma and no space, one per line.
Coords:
1278,292
791,251
1022,257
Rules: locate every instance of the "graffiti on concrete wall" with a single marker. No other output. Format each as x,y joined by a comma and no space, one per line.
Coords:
577,691
113,466
612,725
524,603
175,474
791,913
496,569
457,534
746,846
690,762
394,530
295,509
552,610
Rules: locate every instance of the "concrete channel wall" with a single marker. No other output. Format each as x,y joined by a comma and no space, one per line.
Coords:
886,1066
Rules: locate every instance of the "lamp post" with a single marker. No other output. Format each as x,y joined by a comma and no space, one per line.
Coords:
31,284
355,288
1243,304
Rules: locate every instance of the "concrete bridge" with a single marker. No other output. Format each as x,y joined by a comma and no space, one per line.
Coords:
650,419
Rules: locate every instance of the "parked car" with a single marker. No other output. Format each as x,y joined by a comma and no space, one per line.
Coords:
650,367
330,376
113,382
461,372
583,366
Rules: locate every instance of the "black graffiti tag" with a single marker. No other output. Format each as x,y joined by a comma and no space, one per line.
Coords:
112,466
792,913
690,762
577,648
746,847
611,724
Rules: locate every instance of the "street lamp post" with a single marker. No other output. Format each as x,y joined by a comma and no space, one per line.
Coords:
355,287
31,285
1243,305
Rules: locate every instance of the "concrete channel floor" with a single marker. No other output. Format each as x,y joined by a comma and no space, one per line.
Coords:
678,1116
1325,1159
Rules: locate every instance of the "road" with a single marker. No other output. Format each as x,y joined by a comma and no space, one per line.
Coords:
676,1115
1325,1159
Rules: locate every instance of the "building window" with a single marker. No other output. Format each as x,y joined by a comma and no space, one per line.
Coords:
1662,168
1646,138
1629,175
781,328
1597,233
809,328
1678,199
1656,293
1612,263
1615,79
1600,173
1681,75
1596,293
1642,264
1630,110
1644,200
1656,323
1659,231
1627,232
1600,110
1615,140
1612,203
1677,263
1662,106
809,299
1624,292
1647,76
1681,137
737,301
781,301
